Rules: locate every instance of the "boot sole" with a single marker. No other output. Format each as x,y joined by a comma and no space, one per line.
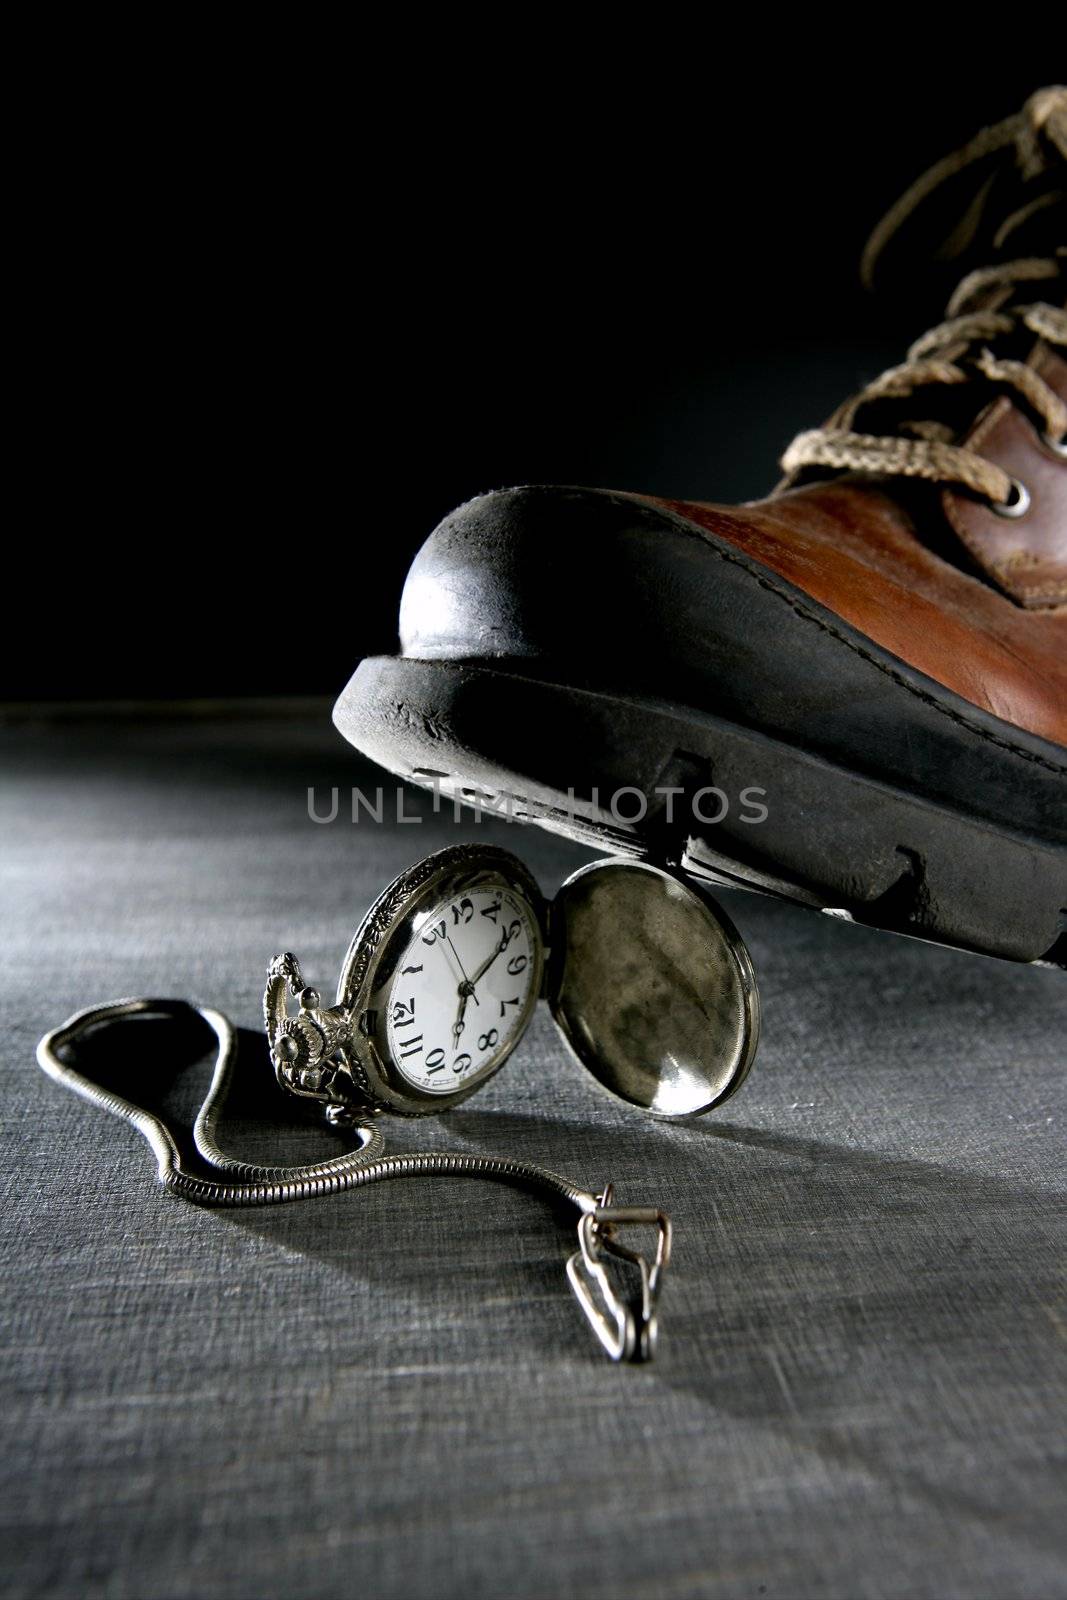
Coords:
572,758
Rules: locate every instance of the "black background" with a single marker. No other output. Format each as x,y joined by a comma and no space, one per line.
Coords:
290,331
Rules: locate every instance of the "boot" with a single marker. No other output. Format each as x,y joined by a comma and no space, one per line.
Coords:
852,693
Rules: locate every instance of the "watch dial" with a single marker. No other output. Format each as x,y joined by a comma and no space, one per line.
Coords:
463,988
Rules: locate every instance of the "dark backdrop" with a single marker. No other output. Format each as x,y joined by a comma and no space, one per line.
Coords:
291,342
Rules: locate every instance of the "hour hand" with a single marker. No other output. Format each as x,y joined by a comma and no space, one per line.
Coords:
466,992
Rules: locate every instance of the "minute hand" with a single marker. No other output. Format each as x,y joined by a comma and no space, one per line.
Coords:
497,950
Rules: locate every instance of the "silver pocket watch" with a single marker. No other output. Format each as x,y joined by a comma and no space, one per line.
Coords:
646,978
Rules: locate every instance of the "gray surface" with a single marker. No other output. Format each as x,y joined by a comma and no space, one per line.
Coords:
861,1384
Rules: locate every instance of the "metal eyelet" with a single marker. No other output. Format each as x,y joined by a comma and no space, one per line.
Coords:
1017,506
1057,446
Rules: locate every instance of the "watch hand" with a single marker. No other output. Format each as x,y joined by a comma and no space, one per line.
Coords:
497,950
457,1026
451,959
468,985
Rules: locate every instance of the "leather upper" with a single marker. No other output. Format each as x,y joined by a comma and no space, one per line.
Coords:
854,548
1027,557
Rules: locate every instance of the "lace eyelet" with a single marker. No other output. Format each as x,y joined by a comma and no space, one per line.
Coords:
1017,506
1057,446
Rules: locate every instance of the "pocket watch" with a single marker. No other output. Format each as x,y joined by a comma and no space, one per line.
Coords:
646,978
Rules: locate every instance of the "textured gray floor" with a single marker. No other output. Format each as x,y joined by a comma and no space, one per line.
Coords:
861,1383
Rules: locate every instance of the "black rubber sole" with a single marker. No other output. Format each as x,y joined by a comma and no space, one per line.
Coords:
572,758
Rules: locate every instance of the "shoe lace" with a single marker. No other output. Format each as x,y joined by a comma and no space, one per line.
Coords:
985,311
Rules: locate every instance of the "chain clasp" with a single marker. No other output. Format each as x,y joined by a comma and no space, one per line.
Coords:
625,1327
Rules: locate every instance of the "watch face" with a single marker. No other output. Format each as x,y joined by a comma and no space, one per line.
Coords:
442,977
463,988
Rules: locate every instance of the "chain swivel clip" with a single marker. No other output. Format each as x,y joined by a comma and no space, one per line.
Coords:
625,1327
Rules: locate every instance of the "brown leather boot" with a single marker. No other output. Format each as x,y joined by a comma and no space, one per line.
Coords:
852,693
